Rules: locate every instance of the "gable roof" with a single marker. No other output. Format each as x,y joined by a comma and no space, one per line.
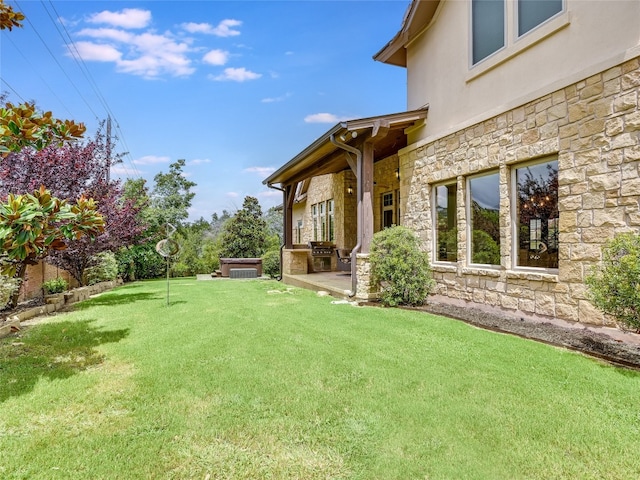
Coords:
419,14
322,156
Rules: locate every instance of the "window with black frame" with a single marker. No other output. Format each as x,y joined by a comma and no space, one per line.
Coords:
537,214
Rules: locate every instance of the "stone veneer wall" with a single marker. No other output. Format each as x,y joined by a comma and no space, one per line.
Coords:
385,181
593,127
327,187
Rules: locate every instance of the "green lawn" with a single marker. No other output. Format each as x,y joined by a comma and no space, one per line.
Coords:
252,380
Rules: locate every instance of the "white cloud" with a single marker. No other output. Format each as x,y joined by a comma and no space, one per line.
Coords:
223,29
324,118
261,171
147,54
199,161
126,18
107,34
151,160
232,194
281,98
236,75
97,52
216,57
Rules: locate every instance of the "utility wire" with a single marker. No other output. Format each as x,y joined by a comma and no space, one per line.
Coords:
44,81
59,64
87,73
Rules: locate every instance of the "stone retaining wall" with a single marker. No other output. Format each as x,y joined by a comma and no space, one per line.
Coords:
55,303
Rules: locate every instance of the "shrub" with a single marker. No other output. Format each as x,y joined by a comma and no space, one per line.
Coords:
8,286
271,263
104,269
55,285
614,286
400,268
140,262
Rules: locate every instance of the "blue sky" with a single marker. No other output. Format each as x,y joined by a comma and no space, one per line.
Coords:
236,88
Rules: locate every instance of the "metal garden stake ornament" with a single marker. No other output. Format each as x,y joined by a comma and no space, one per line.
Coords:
167,248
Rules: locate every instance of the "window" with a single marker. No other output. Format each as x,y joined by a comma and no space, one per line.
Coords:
314,218
484,215
299,231
323,218
487,27
446,231
496,24
387,210
536,205
332,230
532,13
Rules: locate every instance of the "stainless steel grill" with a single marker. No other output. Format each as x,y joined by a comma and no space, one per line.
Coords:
321,249
321,252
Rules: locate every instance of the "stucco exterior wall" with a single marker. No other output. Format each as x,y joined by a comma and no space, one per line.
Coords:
589,37
593,127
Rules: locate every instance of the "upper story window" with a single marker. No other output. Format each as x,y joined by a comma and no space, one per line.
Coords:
487,27
532,13
496,24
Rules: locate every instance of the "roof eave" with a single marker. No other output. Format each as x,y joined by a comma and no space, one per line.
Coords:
324,141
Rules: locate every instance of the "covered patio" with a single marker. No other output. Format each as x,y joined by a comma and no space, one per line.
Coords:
353,146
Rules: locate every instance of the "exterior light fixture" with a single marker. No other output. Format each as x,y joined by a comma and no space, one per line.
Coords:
398,173
350,190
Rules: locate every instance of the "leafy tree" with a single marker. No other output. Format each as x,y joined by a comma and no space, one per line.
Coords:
399,267
245,234
74,170
9,18
22,125
139,262
196,242
171,197
614,286
33,225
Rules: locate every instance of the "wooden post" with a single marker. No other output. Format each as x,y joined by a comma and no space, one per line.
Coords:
367,196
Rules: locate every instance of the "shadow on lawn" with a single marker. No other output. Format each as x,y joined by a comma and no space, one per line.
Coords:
52,350
117,298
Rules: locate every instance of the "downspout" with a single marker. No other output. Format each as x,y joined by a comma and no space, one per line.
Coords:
356,249
284,222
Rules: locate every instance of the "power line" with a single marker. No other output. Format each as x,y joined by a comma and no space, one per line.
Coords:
58,63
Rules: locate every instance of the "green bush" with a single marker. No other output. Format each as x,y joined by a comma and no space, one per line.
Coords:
55,285
140,262
400,268
614,286
104,269
271,263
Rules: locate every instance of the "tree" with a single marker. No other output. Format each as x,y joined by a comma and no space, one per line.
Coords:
171,196
75,170
245,234
22,125
9,18
33,225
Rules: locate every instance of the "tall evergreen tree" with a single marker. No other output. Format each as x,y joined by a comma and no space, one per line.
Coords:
245,235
